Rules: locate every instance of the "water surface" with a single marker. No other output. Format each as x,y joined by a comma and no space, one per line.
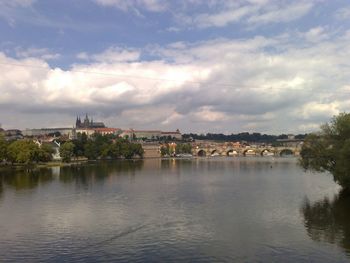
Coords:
200,210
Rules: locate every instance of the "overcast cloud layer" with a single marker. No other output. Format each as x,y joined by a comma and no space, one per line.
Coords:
200,66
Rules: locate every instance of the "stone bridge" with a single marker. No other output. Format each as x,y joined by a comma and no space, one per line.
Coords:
223,149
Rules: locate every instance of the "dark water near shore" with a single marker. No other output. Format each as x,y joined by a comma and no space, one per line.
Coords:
201,210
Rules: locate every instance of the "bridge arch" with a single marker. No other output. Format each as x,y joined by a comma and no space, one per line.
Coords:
267,152
231,152
249,152
286,152
201,153
214,152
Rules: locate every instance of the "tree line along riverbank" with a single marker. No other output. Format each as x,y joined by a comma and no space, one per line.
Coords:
29,151
97,147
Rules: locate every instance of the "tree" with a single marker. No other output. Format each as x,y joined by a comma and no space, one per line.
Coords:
66,151
3,148
165,150
23,151
45,153
183,148
329,150
137,149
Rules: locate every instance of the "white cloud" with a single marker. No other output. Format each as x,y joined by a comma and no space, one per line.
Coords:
249,13
282,13
16,3
42,53
316,34
315,110
343,13
208,114
150,5
112,54
219,84
223,18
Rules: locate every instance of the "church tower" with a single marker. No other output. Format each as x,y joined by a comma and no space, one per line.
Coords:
78,122
86,121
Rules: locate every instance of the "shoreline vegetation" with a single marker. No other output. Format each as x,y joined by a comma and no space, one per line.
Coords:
329,150
28,152
81,161
33,153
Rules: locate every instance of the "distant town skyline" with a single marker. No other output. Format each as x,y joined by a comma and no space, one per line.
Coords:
269,66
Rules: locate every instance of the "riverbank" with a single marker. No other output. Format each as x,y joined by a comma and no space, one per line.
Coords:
41,164
81,161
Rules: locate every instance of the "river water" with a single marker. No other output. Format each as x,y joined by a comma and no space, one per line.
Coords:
202,210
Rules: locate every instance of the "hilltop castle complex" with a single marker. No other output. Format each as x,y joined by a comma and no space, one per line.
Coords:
89,127
88,123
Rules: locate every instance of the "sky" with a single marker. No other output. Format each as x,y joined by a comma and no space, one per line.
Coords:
269,66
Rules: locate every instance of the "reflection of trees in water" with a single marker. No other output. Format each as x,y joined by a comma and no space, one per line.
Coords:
23,179
1,187
329,220
81,174
87,173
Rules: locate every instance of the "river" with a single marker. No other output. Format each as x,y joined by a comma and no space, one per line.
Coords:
244,209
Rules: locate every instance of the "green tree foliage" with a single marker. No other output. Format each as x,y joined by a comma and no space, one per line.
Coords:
183,148
3,148
107,146
91,150
129,150
66,151
165,150
329,150
23,151
96,147
45,153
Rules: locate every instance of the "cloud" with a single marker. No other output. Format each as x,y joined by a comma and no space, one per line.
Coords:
17,3
246,13
217,13
223,18
281,13
112,54
343,13
42,53
316,34
316,110
149,5
277,84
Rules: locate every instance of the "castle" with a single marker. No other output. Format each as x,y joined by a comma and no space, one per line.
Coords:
88,123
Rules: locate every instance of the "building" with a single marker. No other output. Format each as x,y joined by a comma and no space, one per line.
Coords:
151,150
151,134
87,123
147,134
14,134
141,134
173,135
68,132
54,145
102,131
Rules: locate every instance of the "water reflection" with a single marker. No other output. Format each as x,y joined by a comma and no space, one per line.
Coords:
329,220
198,210
23,179
84,175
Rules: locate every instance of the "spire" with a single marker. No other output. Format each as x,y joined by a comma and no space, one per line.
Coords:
77,122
